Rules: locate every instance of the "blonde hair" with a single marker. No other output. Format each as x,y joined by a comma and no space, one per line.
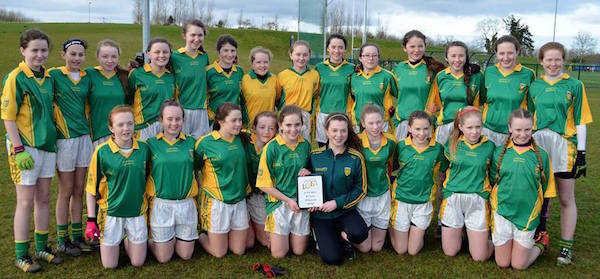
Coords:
260,49
459,118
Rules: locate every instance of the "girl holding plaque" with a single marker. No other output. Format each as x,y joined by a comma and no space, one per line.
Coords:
343,171
283,159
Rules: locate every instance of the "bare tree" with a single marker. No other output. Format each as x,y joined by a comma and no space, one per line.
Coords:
583,44
159,12
12,16
137,11
489,28
209,16
335,17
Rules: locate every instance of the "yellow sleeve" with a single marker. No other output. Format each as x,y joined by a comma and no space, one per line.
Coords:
586,115
434,98
277,89
9,97
551,185
92,175
263,178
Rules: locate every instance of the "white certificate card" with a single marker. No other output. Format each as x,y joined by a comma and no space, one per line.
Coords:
310,191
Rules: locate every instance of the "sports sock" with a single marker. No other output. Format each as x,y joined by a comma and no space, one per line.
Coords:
21,248
62,233
76,231
41,240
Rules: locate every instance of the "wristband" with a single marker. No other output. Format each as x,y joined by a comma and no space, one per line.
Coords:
18,149
91,219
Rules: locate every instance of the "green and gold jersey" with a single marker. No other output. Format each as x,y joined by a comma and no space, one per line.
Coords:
223,164
378,87
223,87
468,168
118,179
279,166
379,163
449,93
299,89
70,97
344,179
518,193
257,95
28,101
149,91
190,78
106,92
253,156
172,168
334,88
414,84
505,92
560,105
418,167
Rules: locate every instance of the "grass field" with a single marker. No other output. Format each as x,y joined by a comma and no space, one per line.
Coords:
430,263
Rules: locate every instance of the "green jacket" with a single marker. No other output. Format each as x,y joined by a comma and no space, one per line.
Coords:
344,179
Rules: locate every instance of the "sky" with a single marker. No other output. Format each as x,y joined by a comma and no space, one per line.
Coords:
435,18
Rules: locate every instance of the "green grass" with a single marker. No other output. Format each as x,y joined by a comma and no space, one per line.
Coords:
431,262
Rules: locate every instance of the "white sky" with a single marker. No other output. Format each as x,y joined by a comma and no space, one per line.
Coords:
435,18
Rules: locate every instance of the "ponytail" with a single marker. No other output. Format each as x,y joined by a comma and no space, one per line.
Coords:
433,66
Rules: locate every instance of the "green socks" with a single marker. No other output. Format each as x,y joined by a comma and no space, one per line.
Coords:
41,240
62,233
21,248
567,244
76,230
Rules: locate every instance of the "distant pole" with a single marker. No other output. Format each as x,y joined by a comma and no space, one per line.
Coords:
324,28
352,31
555,12
89,11
364,38
145,27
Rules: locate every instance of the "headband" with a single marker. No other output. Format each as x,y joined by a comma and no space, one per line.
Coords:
464,110
72,42
333,115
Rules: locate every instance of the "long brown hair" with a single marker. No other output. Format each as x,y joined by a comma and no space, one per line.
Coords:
466,68
521,114
352,141
459,118
368,109
433,66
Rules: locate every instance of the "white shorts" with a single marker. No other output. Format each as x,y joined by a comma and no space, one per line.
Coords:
219,217
73,153
504,230
256,208
465,209
402,130
114,228
99,142
558,149
195,122
497,138
320,134
150,131
306,125
406,214
44,166
284,221
442,133
173,218
376,210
